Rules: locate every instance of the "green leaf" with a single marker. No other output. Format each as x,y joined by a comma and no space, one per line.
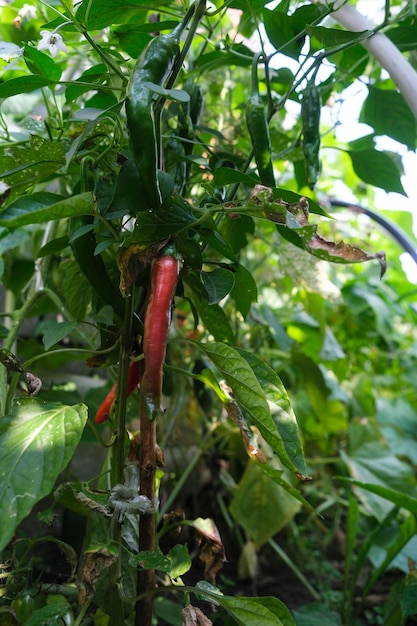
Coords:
152,226
53,246
43,206
76,288
329,37
148,559
54,332
52,614
378,169
227,176
97,14
212,316
40,63
216,241
398,498
37,441
265,611
403,535
276,476
281,34
35,161
370,461
236,55
245,290
261,506
388,113
180,560
317,614
249,394
218,283
93,76
23,84
291,450
132,39
408,595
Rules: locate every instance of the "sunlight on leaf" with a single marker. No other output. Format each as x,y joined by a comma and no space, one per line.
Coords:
37,440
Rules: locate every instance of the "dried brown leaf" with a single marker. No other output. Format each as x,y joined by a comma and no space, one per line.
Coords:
345,251
192,616
212,552
95,563
34,384
135,259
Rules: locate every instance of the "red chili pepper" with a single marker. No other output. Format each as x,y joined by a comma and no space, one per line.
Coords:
133,377
164,277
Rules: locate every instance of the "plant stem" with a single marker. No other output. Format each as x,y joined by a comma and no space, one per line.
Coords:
284,556
147,523
118,455
118,460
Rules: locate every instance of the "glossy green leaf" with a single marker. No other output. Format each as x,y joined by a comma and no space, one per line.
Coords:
265,611
218,283
216,241
276,476
40,63
23,84
245,290
93,76
404,36
388,113
43,206
28,164
250,396
37,440
378,169
281,34
261,506
291,451
211,315
54,332
180,560
329,37
53,246
132,39
226,176
97,14
236,55
147,559
152,226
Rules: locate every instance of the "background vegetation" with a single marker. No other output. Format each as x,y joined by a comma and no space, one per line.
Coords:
286,482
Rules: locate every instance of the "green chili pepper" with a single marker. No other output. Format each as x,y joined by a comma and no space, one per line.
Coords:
93,268
310,117
257,123
152,68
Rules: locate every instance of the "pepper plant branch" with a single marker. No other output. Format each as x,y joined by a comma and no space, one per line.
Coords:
118,459
382,48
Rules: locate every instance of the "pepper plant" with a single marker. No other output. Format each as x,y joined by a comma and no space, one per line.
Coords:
149,162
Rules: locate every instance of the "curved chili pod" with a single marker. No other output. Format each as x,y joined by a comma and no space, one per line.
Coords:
310,117
257,123
103,411
163,282
152,68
